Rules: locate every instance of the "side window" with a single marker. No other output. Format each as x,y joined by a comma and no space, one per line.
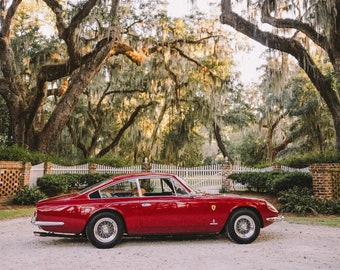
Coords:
126,188
161,187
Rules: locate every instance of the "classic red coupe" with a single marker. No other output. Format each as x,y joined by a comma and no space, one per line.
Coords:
151,204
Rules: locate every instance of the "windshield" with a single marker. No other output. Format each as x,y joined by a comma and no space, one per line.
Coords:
192,189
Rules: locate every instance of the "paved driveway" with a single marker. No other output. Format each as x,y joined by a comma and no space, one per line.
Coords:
280,246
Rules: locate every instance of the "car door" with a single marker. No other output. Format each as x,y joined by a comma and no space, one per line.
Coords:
167,207
122,196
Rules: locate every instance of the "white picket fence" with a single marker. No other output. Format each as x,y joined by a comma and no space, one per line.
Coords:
77,169
84,168
239,169
205,178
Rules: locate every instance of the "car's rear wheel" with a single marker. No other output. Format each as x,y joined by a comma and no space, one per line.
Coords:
105,230
243,226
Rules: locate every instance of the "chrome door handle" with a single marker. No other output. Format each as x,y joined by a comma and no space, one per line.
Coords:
146,204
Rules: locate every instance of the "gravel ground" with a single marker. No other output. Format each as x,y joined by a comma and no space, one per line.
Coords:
280,246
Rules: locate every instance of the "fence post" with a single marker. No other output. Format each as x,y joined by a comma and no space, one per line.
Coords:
26,173
47,168
326,180
276,167
227,169
92,167
146,166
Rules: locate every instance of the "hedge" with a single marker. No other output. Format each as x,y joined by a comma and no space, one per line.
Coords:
54,184
272,182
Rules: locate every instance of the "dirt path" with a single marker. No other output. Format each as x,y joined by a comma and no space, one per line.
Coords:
280,246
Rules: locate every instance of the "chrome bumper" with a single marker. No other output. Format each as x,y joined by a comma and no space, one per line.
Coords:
46,223
275,219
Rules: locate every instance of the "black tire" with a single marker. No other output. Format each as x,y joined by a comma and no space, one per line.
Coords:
243,226
105,230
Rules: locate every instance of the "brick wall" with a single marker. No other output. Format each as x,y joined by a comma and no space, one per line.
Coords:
227,169
326,180
13,176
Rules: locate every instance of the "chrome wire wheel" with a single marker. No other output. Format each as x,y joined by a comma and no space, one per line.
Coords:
105,230
244,226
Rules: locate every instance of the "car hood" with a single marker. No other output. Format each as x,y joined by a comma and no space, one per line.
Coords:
231,196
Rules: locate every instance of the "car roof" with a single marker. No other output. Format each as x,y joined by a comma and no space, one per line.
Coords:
142,174
116,178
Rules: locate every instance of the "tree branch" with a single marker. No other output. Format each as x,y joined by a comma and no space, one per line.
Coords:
68,33
159,46
6,18
287,45
129,52
305,28
74,139
202,67
4,88
57,71
123,129
280,147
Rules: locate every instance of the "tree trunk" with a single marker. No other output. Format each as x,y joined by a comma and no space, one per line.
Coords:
269,142
155,129
120,133
221,146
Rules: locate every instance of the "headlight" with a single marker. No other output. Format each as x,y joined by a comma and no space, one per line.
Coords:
271,207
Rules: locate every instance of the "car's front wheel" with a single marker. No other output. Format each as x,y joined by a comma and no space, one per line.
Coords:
105,230
243,227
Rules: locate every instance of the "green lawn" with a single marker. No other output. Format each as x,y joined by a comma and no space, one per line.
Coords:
332,221
8,212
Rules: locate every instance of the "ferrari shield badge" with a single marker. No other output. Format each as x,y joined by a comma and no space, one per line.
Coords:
213,207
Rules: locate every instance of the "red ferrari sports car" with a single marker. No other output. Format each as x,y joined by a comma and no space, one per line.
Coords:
151,204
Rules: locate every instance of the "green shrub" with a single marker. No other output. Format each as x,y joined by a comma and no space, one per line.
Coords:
301,201
305,160
110,160
272,181
16,153
254,181
28,196
288,180
329,207
54,184
297,200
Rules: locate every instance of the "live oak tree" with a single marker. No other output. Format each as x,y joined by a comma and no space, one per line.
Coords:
182,75
89,43
291,115
295,25
41,100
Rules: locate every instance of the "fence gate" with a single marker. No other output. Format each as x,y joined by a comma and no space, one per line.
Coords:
204,178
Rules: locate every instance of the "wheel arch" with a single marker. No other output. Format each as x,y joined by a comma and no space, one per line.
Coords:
107,210
251,208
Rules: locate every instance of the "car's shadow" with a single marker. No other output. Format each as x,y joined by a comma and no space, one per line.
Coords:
145,240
